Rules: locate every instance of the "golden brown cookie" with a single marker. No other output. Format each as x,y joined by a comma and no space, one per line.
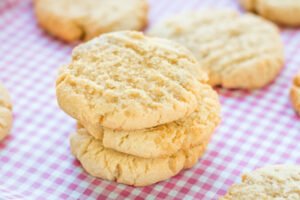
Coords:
127,81
286,12
270,183
167,139
237,51
5,112
295,93
123,168
73,20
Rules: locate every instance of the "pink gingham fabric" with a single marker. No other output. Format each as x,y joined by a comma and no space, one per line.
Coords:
258,127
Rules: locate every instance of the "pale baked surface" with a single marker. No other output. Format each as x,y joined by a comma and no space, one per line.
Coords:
126,81
123,168
167,139
295,93
280,182
286,12
5,112
237,51
73,20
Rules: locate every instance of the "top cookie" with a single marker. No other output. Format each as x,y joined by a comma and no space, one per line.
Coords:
286,12
73,20
237,51
127,81
5,112
273,182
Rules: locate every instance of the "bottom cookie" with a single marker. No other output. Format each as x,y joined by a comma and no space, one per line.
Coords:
272,182
127,169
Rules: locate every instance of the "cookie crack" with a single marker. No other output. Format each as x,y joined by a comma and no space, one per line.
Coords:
2,125
5,105
118,172
85,150
123,139
80,26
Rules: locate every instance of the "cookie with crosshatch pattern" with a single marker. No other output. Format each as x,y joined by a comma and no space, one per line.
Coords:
5,112
73,20
112,165
286,12
127,81
271,182
237,51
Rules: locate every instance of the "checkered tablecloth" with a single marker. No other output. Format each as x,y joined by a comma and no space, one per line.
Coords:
258,128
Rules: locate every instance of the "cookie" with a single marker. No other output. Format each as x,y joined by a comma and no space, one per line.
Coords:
237,51
272,182
248,4
5,112
295,93
73,20
285,12
127,169
167,139
127,81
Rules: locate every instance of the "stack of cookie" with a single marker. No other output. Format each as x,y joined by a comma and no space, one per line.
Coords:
144,109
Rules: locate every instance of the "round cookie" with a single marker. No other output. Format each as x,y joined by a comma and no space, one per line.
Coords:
272,182
123,168
5,112
126,81
73,20
295,93
237,51
167,139
286,12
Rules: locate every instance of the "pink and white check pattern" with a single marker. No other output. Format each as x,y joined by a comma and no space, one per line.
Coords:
258,127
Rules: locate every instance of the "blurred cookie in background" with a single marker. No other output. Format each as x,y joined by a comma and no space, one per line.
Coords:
72,20
271,182
5,112
285,12
237,51
295,93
